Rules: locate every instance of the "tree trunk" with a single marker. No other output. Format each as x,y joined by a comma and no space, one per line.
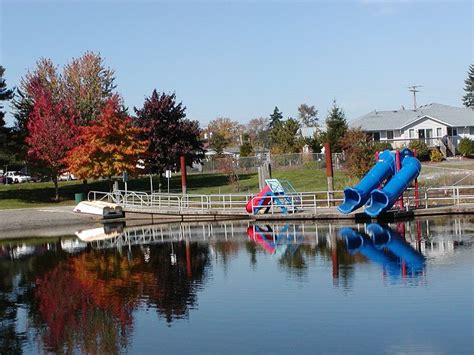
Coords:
56,189
160,181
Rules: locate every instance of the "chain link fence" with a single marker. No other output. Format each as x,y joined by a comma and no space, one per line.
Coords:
222,164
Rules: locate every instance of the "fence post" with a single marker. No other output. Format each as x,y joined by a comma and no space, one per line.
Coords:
329,171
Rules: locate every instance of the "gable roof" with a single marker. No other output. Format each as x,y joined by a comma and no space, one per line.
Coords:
397,119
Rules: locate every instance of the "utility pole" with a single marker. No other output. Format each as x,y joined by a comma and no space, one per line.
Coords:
414,90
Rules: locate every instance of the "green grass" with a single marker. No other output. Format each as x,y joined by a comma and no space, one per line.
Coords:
42,194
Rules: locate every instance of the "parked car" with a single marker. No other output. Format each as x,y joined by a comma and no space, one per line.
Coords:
3,179
66,177
39,178
18,177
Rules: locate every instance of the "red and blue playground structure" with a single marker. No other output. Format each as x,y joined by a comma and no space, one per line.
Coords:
381,188
274,194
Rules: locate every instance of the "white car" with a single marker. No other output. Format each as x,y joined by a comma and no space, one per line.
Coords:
18,177
66,177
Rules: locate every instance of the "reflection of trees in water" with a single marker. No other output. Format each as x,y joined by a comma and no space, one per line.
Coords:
16,284
251,248
173,290
87,301
225,251
10,341
298,255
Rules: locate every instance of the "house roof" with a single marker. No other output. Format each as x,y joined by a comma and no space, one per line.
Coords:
397,119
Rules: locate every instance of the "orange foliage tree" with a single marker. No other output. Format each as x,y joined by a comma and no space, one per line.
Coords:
109,145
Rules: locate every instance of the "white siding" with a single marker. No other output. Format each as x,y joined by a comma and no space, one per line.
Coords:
426,123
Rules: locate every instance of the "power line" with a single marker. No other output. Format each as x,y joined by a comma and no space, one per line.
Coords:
413,89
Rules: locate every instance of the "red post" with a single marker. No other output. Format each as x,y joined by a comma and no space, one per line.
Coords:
183,173
418,235
417,192
329,170
189,270
398,167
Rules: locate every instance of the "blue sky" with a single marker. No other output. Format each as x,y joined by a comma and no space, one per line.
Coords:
239,59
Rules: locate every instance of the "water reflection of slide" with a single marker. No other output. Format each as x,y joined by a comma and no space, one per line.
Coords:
276,242
384,247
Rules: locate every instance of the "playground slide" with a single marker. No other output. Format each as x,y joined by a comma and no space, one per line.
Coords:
387,238
383,199
357,196
259,200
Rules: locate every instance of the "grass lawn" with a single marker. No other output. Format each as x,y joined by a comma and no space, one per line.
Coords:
42,194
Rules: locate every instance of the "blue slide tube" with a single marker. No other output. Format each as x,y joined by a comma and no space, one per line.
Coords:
355,197
388,238
382,200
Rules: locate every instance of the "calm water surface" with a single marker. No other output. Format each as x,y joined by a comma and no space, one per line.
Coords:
242,288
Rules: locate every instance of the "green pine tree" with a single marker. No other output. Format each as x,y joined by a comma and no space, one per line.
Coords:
336,127
468,98
5,132
5,95
275,118
285,138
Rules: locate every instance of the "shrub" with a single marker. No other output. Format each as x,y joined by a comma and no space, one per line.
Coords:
359,152
381,146
422,151
436,155
466,146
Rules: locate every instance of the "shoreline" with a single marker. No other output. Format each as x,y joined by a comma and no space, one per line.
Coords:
44,222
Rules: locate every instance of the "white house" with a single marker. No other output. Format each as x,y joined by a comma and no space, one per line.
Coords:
429,123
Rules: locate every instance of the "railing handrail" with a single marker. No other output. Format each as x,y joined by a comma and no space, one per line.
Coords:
307,201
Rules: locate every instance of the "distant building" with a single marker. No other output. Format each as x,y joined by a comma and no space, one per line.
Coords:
436,124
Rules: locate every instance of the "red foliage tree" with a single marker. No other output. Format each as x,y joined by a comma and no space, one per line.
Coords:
169,132
109,146
52,133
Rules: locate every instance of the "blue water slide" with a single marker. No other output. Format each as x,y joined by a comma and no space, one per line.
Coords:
383,199
387,238
355,197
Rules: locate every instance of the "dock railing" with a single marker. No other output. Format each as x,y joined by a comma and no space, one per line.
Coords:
309,202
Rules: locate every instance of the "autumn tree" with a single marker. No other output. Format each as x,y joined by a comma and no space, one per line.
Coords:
308,115
258,132
336,127
51,134
227,128
84,83
44,79
109,145
5,95
169,133
88,84
359,152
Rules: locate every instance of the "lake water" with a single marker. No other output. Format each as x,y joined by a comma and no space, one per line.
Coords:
240,288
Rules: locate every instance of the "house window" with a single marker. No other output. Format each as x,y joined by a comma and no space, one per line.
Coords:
471,130
438,132
389,134
376,136
452,131
411,133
